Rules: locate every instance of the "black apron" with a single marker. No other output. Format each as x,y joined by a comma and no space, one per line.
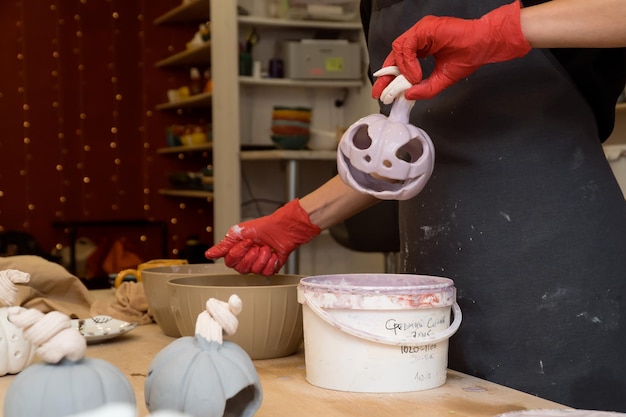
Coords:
524,214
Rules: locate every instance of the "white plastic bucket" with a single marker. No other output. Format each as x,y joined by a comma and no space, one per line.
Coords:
377,332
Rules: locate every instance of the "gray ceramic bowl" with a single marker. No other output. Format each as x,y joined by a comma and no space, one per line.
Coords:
155,287
270,323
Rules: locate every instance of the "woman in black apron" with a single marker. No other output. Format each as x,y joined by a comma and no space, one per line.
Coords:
522,212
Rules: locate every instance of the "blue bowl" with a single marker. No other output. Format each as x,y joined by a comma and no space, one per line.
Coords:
293,142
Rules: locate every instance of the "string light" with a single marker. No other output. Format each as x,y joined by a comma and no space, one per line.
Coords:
58,107
82,116
146,113
23,91
116,99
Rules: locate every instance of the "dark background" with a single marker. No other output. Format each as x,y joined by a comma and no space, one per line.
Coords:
79,129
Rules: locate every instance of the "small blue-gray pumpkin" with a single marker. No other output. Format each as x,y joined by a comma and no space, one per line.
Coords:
66,388
203,378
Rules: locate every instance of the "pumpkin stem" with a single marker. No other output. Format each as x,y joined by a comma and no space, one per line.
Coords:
219,318
8,290
401,110
52,334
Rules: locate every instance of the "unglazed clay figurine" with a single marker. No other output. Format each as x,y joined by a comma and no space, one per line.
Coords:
203,375
16,352
387,157
66,382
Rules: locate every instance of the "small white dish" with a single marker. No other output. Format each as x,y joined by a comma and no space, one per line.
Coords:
99,328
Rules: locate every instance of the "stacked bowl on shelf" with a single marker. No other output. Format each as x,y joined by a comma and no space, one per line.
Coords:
291,127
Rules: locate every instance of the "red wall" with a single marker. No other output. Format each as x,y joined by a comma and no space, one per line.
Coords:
79,132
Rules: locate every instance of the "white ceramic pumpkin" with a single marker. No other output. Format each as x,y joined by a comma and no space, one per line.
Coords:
386,157
16,353
65,382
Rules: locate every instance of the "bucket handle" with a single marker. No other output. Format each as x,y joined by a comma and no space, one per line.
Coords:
427,340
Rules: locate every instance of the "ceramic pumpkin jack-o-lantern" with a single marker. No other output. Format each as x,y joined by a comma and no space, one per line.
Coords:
204,376
16,352
66,382
387,157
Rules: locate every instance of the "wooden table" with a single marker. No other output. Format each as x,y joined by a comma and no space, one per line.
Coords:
286,393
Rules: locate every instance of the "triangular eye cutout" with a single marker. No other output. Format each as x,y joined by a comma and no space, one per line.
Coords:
410,151
361,139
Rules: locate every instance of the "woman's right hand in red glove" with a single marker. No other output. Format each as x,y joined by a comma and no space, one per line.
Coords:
262,245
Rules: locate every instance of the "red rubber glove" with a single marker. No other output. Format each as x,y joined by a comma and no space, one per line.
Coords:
262,245
459,47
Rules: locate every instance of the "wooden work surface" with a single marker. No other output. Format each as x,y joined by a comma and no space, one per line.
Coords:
286,393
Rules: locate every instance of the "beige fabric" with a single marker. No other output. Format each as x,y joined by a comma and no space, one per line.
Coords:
51,287
130,304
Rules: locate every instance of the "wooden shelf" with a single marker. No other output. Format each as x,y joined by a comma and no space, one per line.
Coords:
284,154
208,195
195,11
195,101
284,82
620,107
190,148
196,56
293,23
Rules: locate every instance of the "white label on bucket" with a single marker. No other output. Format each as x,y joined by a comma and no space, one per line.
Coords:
422,327
396,324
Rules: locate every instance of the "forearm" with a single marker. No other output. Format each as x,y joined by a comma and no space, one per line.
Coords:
575,24
334,202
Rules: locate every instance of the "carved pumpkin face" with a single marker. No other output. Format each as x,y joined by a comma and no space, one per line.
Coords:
386,157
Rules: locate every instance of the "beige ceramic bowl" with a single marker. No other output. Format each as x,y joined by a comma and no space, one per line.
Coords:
270,323
155,287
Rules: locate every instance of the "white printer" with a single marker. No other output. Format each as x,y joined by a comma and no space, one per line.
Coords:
334,59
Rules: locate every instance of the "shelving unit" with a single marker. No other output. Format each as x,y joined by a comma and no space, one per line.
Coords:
189,13
195,101
201,54
208,195
183,149
230,90
194,11
284,82
261,21
228,28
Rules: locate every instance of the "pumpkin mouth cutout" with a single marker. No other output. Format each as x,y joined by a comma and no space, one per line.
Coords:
373,181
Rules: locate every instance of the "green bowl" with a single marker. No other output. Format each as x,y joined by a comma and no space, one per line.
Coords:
290,141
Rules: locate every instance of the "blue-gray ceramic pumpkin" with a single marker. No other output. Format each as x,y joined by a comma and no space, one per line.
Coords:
66,388
203,379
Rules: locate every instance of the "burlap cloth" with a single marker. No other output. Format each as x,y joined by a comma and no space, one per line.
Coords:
53,288
130,304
